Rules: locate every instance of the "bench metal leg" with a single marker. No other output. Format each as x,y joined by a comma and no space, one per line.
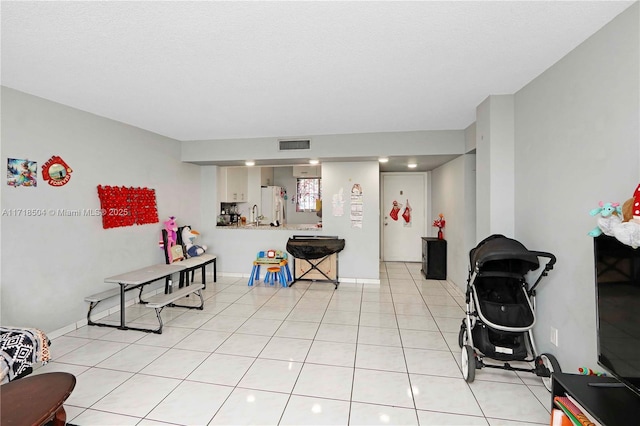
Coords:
159,330
91,306
201,307
184,278
204,273
122,307
121,326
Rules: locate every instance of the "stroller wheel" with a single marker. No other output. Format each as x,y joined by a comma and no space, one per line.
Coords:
462,335
546,364
468,359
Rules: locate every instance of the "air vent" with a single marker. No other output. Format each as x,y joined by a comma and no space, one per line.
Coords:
289,145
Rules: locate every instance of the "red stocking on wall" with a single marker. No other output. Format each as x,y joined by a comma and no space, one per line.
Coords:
407,213
395,210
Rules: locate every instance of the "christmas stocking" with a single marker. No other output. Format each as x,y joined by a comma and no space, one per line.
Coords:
395,210
407,213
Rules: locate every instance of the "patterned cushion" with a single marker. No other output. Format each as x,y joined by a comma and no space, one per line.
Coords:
20,348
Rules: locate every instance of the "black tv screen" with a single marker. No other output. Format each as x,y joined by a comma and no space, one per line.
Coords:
618,309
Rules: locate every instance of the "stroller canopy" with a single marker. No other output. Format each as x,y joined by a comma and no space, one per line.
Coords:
498,253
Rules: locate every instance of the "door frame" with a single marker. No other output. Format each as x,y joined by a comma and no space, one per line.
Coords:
427,204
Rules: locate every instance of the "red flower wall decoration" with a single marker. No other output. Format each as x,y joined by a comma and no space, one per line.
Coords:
122,206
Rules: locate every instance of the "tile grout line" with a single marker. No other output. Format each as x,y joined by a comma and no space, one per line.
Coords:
314,339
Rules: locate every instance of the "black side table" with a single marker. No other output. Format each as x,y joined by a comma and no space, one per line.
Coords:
434,258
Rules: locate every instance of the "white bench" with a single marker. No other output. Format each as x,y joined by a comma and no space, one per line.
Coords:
94,299
198,262
127,282
160,301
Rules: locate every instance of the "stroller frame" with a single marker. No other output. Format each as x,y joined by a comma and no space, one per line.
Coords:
525,261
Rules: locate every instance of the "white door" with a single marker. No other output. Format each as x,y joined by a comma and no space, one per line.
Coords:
402,240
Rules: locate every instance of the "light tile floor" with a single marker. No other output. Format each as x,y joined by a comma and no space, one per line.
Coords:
303,355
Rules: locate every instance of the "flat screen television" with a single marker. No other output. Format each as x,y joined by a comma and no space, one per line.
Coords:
618,309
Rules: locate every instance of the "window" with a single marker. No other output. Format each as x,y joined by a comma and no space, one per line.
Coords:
308,190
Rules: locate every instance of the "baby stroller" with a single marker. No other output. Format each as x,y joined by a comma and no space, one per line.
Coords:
500,309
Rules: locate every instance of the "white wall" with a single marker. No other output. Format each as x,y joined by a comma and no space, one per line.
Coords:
49,264
453,194
209,209
361,256
470,138
495,176
577,142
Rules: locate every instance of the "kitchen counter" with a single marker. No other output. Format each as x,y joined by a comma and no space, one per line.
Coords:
239,245
267,227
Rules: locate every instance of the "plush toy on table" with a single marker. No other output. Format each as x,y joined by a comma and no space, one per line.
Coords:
623,223
585,371
188,236
628,232
174,251
610,217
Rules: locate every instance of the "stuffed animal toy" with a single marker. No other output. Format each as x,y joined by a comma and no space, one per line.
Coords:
636,205
628,232
188,236
610,217
174,251
627,210
631,208
623,223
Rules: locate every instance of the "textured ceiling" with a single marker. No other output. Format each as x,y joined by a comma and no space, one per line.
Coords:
214,70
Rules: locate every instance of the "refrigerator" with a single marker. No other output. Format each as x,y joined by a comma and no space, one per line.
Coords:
272,205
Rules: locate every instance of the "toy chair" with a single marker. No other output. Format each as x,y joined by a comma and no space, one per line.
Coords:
278,268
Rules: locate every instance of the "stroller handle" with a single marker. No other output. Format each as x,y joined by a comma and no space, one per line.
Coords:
551,257
547,268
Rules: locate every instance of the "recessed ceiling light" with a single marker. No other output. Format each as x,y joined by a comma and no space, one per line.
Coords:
412,165
313,161
383,160
249,163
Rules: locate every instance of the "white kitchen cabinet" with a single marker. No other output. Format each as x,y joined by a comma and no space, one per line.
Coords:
306,171
233,184
266,176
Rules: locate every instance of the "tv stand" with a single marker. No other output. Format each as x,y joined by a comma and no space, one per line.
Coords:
434,258
604,398
605,385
